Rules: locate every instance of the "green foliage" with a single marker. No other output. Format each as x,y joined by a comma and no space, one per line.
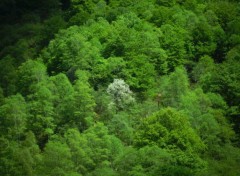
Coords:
173,87
172,131
94,149
41,109
204,38
106,70
121,126
203,71
226,162
64,109
30,73
169,129
19,158
226,11
177,38
51,27
70,49
8,75
56,160
84,102
149,160
63,99
13,114
140,75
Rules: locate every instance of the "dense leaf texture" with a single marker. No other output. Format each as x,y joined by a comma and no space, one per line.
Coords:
119,87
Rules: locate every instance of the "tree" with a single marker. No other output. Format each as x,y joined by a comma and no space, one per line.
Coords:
51,26
1,96
197,106
171,130
121,126
56,160
106,70
226,11
30,155
80,151
84,102
71,49
94,149
139,73
41,109
63,99
121,94
168,129
12,159
173,87
149,160
178,38
30,73
8,75
13,114
203,70
104,147
19,158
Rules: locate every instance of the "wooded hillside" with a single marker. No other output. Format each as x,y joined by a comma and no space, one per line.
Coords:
119,88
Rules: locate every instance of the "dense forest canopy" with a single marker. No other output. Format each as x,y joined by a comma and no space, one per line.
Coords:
119,87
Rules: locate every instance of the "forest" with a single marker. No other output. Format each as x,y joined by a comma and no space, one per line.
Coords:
119,88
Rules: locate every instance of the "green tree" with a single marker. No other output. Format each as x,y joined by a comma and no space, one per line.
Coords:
105,147
121,125
30,155
106,70
84,102
56,160
63,99
13,114
1,96
204,38
94,149
19,158
203,70
50,27
8,75
197,106
80,151
70,49
226,82
171,130
41,109
174,40
173,87
149,160
30,73
140,73
226,11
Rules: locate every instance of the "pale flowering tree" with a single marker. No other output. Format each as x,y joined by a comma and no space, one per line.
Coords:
121,94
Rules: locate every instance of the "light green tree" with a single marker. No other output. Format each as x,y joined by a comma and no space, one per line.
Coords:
84,102
56,160
30,73
13,114
121,94
171,130
41,113
173,87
